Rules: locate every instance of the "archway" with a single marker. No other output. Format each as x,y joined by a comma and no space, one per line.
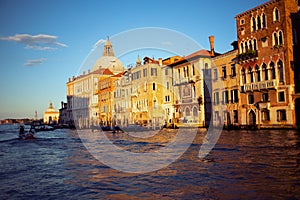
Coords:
252,118
50,119
297,111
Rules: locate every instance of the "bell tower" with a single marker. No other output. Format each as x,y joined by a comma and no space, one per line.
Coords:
107,49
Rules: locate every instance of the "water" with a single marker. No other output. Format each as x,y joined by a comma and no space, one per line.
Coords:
243,165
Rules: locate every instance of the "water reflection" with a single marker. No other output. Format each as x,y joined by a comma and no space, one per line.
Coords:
243,165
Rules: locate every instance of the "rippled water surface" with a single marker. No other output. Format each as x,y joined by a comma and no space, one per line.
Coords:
243,165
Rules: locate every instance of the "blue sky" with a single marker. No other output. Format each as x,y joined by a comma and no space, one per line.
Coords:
43,43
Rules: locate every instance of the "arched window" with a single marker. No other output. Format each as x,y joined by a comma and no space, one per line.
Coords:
280,69
251,75
195,112
250,45
264,20
244,77
187,111
153,86
242,47
275,14
280,38
253,24
246,46
273,71
254,44
265,72
257,73
258,22
275,39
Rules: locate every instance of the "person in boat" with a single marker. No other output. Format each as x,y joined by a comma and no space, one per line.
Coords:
21,132
32,130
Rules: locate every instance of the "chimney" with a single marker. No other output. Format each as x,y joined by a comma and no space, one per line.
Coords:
69,79
212,44
83,72
89,71
160,61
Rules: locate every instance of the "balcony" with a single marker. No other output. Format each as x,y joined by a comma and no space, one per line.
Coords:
270,84
250,54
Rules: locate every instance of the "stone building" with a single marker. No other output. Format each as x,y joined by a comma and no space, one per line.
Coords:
226,95
266,45
82,91
193,86
51,115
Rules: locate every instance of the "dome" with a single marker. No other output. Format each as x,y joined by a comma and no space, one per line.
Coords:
110,62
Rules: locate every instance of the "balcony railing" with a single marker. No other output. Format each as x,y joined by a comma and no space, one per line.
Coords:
250,54
259,85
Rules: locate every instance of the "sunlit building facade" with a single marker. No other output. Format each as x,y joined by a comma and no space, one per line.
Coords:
266,45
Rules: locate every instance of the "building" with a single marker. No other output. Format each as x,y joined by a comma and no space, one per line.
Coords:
192,87
267,42
141,96
63,114
226,85
106,94
51,115
82,91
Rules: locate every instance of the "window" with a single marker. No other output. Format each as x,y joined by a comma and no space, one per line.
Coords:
265,97
153,72
251,75
273,71
225,97
265,72
242,31
264,21
244,77
257,73
179,73
167,98
224,72
234,96
216,98
254,44
233,71
258,22
250,99
277,38
280,38
275,14
265,115
281,115
253,24
280,69
242,47
235,116
216,74
168,85
144,72
224,115
193,68
281,96
242,21
166,71
153,86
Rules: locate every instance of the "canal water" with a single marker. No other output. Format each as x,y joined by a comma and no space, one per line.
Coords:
242,165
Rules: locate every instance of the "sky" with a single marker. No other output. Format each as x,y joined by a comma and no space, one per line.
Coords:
43,43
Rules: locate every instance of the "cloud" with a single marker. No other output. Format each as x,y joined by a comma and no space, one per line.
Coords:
98,43
36,42
35,62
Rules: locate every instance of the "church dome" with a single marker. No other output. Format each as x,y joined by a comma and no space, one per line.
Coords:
108,60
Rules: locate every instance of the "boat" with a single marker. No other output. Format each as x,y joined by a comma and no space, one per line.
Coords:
28,136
